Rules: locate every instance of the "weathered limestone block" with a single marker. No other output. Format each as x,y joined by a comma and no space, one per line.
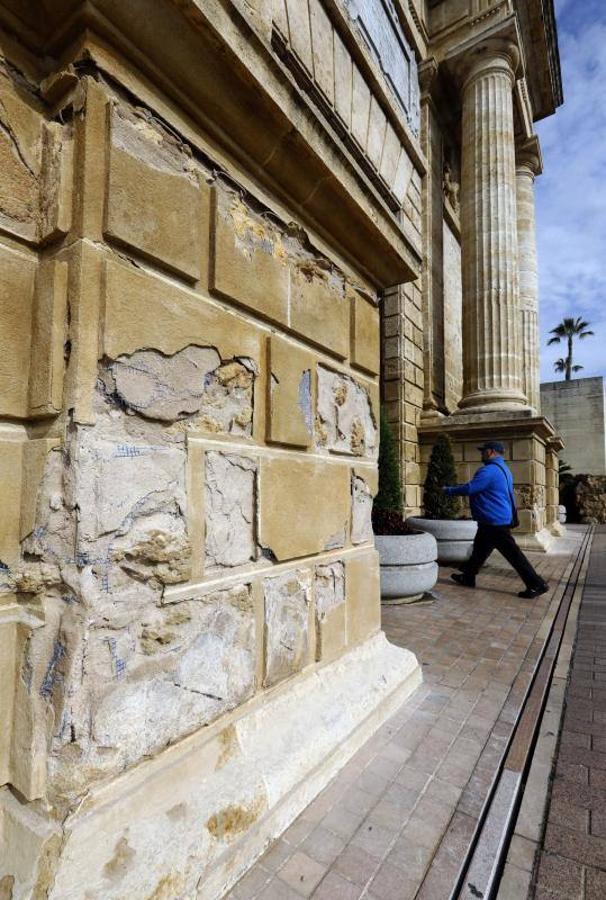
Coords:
331,621
230,509
194,382
21,136
363,597
142,310
249,262
49,331
186,667
295,519
287,600
17,274
319,307
365,349
154,200
10,479
361,511
345,422
290,389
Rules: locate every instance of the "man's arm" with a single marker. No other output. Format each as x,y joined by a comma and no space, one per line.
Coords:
479,482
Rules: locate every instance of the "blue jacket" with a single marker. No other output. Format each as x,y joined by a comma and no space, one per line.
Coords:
490,493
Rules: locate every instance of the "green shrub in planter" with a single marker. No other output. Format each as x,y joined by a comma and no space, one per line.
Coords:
387,506
441,472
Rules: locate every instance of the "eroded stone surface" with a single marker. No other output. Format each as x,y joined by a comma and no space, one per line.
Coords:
230,501
345,422
361,511
286,624
167,673
192,382
330,610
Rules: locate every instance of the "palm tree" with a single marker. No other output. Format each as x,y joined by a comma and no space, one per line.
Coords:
568,329
561,365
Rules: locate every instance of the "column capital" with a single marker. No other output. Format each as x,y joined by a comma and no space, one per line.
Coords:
488,56
428,73
529,159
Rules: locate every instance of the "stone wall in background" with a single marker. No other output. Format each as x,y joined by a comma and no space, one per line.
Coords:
590,499
577,409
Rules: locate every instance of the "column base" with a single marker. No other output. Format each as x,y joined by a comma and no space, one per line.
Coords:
190,822
524,437
538,541
500,402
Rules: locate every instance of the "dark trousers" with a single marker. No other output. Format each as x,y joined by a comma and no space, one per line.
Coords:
499,537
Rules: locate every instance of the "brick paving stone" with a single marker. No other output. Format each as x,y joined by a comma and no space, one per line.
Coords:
559,878
575,836
387,883
276,890
595,884
323,845
356,864
302,873
336,887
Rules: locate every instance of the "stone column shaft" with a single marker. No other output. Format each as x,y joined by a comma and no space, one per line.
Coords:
492,370
529,284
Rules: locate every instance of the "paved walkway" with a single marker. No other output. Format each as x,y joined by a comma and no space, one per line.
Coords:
572,863
397,819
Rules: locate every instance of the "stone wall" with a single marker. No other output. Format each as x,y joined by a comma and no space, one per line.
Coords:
590,500
403,380
577,408
189,438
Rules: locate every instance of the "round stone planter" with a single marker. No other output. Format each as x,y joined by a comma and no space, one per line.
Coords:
454,536
408,566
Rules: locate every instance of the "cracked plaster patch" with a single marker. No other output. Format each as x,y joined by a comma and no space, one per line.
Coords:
194,382
286,624
344,421
150,685
361,513
230,485
330,588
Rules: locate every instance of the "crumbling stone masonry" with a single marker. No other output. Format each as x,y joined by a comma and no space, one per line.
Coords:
190,640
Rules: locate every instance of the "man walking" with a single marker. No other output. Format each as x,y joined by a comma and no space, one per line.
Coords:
491,498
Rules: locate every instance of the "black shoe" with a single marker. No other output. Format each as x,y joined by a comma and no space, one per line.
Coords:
531,593
464,580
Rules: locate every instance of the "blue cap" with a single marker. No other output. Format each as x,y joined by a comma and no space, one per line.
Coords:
492,445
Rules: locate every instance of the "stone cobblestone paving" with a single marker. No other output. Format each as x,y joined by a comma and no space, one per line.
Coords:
572,862
397,819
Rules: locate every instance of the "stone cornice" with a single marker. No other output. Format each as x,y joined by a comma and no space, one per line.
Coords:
224,75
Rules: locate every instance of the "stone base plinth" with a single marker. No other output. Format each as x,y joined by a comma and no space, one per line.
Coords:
526,438
191,821
539,541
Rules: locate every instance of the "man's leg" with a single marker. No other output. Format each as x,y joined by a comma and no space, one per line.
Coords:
483,545
506,545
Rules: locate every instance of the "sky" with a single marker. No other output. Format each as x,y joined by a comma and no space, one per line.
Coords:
571,192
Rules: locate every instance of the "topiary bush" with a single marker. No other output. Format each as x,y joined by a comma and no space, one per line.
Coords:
440,473
387,506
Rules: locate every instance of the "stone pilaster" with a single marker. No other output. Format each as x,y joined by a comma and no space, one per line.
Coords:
528,165
492,359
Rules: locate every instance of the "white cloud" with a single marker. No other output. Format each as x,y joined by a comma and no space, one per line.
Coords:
571,194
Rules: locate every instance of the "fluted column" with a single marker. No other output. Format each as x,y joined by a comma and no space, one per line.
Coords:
492,370
528,163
